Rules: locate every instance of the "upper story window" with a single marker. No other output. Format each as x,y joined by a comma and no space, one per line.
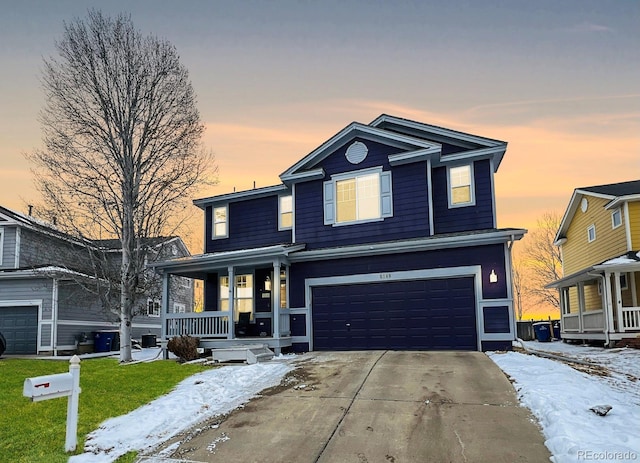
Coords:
616,218
461,191
219,226
358,197
285,212
591,233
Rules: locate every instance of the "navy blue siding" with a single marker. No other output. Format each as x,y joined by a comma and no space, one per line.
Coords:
490,257
460,219
410,204
251,223
496,319
298,324
496,345
211,292
378,155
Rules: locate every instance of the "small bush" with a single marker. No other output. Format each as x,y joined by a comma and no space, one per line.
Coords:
184,347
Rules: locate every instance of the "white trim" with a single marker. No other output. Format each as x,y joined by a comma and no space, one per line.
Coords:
293,225
280,226
39,320
627,227
114,325
18,246
613,223
213,222
474,271
1,243
589,228
472,187
409,157
237,196
430,198
493,194
54,315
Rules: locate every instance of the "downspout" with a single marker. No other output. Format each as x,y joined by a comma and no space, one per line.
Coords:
605,309
54,317
514,323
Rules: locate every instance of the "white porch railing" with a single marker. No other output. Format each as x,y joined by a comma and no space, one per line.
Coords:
593,320
630,318
285,323
571,322
199,324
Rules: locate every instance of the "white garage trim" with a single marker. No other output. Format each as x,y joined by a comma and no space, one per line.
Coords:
28,303
425,274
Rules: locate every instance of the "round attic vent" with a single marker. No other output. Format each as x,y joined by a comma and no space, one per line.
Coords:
584,204
357,152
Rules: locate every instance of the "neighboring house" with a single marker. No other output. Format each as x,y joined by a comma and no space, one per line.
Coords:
599,237
44,276
384,237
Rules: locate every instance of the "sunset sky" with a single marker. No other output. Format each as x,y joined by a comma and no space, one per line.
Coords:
558,80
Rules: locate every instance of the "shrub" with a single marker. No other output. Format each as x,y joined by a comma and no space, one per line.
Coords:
184,347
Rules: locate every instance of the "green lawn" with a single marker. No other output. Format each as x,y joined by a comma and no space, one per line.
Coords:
33,432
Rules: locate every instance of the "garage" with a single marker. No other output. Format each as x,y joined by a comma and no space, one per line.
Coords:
19,325
427,314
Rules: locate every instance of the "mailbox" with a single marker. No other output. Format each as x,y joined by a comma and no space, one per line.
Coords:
48,387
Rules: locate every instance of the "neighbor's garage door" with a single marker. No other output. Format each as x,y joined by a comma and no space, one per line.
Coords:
401,315
19,325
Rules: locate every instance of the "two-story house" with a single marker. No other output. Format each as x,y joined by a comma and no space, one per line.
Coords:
383,237
599,238
47,286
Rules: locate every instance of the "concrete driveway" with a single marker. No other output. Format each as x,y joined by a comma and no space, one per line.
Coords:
376,406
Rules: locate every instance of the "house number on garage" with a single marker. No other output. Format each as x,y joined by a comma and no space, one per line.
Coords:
385,276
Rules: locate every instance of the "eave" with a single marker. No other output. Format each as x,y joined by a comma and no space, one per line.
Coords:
415,245
202,203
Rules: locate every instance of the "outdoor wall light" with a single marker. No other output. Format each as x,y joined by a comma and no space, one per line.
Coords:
493,278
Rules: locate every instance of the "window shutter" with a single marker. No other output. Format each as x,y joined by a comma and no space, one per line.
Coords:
386,199
329,203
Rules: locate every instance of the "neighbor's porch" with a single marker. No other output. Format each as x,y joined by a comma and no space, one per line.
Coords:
244,298
601,303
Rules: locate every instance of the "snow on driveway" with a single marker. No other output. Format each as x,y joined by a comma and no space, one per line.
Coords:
560,397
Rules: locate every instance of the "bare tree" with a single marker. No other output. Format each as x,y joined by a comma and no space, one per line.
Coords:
543,260
518,286
122,141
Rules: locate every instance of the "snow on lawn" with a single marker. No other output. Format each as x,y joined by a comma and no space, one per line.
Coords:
195,399
560,397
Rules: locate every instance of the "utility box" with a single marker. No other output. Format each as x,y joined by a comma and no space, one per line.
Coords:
48,387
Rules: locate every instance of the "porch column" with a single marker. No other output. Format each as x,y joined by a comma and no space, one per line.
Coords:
232,301
608,307
164,310
618,303
581,305
276,299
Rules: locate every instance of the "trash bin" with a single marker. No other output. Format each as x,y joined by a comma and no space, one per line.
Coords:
556,330
149,340
106,341
543,332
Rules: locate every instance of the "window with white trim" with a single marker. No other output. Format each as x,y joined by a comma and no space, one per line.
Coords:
219,222
461,190
285,212
357,197
243,300
179,308
153,307
616,218
591,233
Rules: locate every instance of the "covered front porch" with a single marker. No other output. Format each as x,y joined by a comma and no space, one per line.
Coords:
242,298
600,303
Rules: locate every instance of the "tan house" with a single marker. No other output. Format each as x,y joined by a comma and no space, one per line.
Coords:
599,237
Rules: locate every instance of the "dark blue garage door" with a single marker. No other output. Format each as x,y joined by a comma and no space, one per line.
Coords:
19,326
434,314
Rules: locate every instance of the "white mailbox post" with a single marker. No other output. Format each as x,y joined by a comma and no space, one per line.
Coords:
60,385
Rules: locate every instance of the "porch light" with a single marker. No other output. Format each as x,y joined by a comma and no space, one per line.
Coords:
493,278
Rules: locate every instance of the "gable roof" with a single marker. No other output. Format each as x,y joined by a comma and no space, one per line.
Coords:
419,142
614,192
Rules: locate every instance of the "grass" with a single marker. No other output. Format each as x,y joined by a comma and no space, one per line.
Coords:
33,432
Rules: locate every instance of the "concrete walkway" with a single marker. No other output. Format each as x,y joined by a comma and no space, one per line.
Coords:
376,406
